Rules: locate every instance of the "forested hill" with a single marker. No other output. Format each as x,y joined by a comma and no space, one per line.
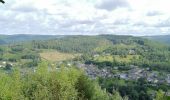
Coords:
111,49
84,44
160,38
123,50
5,39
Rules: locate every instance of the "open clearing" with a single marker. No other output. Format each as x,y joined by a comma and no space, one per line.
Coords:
56,56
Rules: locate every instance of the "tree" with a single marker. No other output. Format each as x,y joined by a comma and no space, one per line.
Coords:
8,66
2,1
116,96
160,95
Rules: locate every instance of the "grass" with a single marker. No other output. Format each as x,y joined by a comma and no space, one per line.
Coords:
104,58
126,59
9,55
116,57
56,56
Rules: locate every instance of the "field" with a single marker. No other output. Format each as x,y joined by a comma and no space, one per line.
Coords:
56,56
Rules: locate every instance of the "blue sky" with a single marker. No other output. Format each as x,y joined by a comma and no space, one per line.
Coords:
91,17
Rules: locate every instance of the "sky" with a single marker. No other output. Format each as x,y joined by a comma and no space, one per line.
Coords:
85,17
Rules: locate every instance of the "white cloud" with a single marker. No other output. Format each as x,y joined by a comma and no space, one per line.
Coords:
130,17
111,4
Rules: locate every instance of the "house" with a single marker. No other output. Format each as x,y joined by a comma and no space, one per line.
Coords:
115,68
0,66
4,62
123,76
168,79
167,93
69,64
132,52
96,55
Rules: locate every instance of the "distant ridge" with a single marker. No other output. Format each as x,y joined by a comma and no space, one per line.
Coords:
161,38
6,39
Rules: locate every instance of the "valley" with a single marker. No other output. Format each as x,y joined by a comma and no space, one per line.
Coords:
115,62
84,50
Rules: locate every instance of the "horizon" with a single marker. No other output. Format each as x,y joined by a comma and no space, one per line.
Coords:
83,35
85,17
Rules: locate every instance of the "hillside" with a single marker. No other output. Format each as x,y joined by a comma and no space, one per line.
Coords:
161,38
6,39
123,50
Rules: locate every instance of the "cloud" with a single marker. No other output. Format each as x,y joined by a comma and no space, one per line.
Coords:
84,17
164,23
24,8
141,24
121,22
111,4
153,13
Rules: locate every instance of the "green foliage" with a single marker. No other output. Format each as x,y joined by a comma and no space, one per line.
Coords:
160,38
90,90
117,96
47,83
80,44
10,86
135,90
160,95
8,66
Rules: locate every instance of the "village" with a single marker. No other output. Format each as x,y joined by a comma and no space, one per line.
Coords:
134,73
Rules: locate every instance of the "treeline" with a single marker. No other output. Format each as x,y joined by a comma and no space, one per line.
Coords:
117,39
54,84
8,39
73,44
85,44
